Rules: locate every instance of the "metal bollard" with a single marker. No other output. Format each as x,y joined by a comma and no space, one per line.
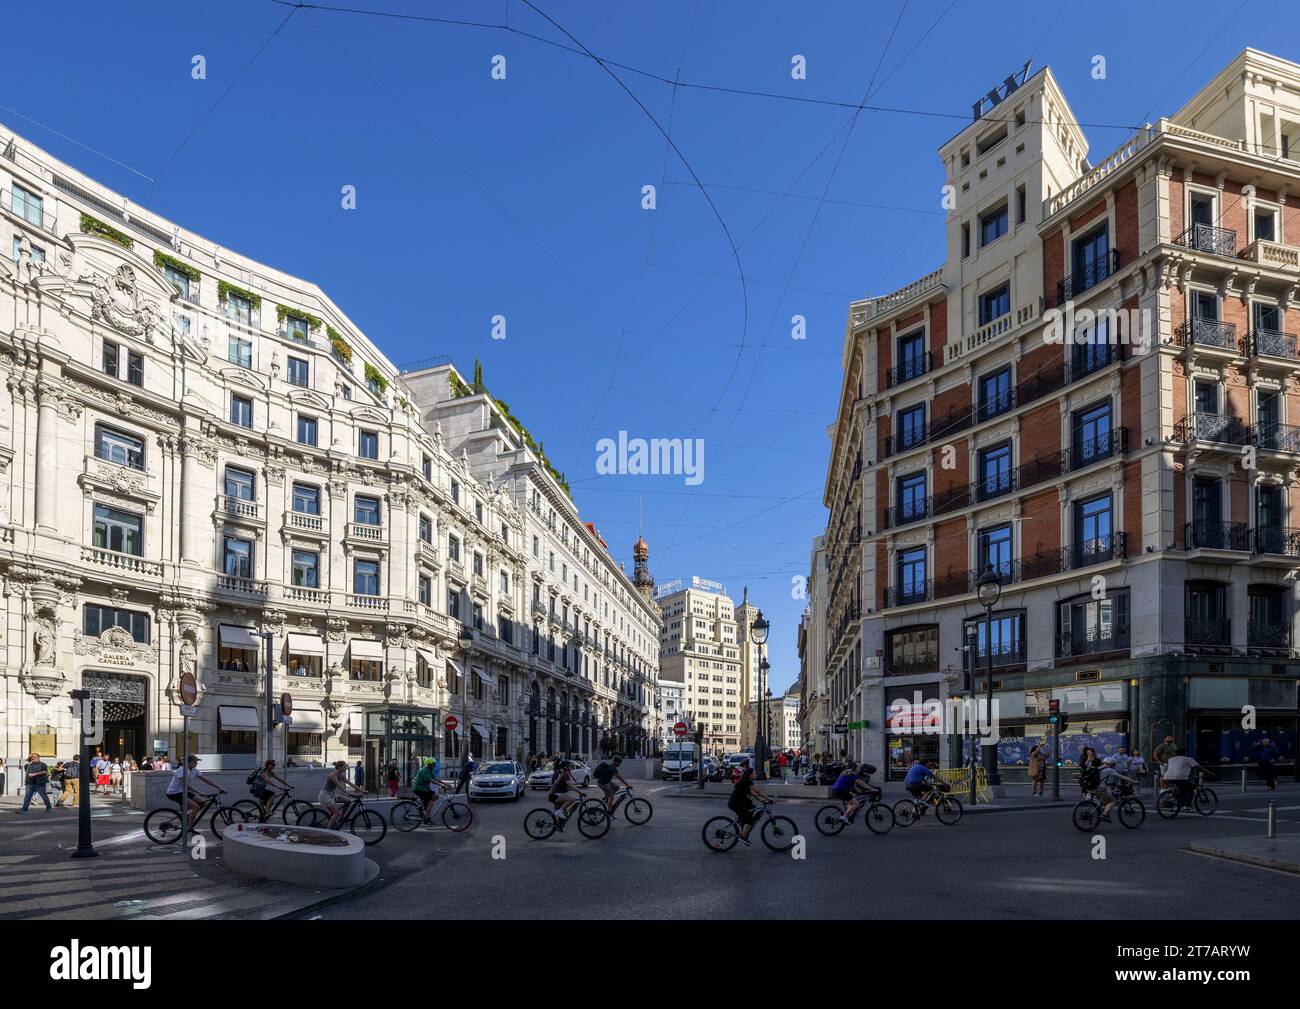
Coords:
1272,818
1243,781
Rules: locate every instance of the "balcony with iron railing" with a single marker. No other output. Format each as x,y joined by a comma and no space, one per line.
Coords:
1282,541
1207,333
1098,550
908,439
30,213
1088,359
1004,654
1204,534
1211,427
1276,438
1268,634
913,367
908,593
1092,641
1207,238
901,515
1199,632
1087,277
1270,343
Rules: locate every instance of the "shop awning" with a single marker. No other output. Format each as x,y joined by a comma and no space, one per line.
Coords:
357,722
456,667
306,644
242,638
427,655
307,721
481,729
481,673
234,716
363,648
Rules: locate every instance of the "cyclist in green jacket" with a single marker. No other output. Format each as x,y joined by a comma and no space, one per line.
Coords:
424,785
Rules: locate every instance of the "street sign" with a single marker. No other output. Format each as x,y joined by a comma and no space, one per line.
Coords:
680,729
286,703
841,728
450,723
189,710
189,689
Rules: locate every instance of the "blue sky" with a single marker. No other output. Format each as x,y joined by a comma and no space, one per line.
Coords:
522,197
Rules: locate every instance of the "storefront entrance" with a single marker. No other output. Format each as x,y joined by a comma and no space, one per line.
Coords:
398,736
904,751
125,702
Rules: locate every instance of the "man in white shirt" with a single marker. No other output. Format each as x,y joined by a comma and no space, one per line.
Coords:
1179,774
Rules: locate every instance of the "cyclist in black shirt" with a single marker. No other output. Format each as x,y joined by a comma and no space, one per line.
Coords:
605,773
742,801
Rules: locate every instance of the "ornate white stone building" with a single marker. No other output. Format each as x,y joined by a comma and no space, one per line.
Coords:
203,462
591,633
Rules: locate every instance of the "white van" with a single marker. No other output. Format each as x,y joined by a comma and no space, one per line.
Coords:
680,761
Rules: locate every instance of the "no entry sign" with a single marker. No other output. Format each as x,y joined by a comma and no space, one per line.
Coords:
450,723
680,729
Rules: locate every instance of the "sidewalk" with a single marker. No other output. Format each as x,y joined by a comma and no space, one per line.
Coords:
132,878
1281,853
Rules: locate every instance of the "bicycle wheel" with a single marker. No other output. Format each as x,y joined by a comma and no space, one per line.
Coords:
879,818
1086,815
456,817
540,823
828,822
779,832
163,826
1131,812
593,821
1167,804
369,826
1205,801
314,817
948,810
251,810
638,811
721,834
293,811
905,812
224,817
406,815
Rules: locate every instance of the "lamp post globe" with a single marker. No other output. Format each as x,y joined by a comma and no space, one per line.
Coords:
466,640
989,591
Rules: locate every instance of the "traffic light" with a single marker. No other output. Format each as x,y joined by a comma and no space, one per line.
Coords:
1064,722
1054,713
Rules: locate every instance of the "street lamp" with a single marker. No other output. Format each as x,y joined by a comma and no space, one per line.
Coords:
758,632
466,644
989,590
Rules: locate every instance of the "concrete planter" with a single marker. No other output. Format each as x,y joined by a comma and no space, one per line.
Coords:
309,856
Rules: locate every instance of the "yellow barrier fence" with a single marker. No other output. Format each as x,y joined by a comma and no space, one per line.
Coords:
958,779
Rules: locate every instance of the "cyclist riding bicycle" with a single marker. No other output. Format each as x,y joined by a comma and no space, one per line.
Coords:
424,784
605,774
1110,786
260,784
336,792
1178,775
180,792
920,779
742,801
564,791
852,783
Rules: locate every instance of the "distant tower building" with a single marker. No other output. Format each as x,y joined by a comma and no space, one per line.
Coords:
641,577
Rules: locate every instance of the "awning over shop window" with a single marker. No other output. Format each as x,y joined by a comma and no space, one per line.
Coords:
480,728
241,638
306,644
427,655
306,721
481,673
363,648
456,667
237,717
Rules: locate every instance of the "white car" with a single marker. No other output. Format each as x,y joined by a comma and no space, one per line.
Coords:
545,775
499,779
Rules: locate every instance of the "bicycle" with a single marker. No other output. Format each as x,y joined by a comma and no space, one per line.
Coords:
879,817
1170,801
638,810
255,812
364,823
1088,810
947,809
778,832
163,826
593,820
408,813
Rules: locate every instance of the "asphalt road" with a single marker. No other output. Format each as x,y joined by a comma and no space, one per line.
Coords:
1030,864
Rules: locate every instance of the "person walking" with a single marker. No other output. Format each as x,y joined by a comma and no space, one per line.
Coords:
1163,752
1137,766
71,797
467,770
1266,755
782,763
359,774
115,777
1037,772
393,780
37,778
56,782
